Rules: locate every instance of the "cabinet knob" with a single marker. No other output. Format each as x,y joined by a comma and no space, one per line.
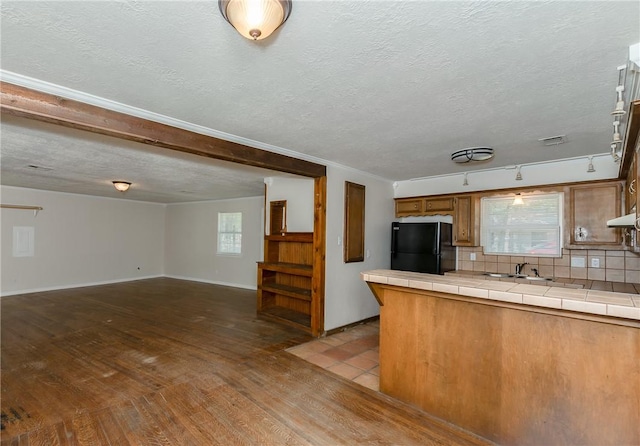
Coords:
415,206
429,206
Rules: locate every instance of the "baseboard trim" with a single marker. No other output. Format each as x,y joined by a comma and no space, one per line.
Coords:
76,285
353,324
109,282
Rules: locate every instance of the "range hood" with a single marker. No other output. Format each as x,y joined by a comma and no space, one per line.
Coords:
624,221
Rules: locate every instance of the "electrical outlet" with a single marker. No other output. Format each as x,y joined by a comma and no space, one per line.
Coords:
595,262
578,262
472,256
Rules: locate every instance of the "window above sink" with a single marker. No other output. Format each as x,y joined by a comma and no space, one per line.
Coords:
528,226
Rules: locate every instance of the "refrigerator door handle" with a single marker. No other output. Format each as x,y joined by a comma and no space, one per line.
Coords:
394,240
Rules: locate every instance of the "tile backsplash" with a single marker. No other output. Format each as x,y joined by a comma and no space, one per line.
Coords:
612,266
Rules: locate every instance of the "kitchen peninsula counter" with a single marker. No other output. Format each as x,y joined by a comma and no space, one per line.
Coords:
515,363
554,295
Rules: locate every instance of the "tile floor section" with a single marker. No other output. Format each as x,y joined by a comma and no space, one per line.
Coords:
352,354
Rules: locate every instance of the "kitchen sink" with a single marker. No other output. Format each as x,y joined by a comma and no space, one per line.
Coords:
498,275
519,276
543,279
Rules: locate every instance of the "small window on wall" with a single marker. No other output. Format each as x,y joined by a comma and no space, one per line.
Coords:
529,225
230,233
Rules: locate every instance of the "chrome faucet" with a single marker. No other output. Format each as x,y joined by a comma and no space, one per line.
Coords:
519,267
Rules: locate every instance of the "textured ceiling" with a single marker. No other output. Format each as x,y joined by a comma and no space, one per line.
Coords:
386,87
46,156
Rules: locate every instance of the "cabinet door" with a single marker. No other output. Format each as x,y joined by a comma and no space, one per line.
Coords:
464,224
591,207
631,186
433,205
409,206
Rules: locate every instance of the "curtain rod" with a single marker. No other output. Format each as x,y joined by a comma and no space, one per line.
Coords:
35,209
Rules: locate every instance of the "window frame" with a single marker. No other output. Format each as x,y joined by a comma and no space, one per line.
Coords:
559,227
221,232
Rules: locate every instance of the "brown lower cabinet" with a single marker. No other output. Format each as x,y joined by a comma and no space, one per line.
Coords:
511,373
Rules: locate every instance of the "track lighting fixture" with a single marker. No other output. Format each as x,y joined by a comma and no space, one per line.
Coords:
590,167
616,132
614,152
619,109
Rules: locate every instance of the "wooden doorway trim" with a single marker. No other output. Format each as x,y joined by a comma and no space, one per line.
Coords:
319,255
32,104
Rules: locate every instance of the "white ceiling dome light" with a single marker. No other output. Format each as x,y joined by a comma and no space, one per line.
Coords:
472,154
121,186
255,19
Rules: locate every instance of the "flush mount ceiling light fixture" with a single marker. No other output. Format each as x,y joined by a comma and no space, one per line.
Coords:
122,186
472,154
255,19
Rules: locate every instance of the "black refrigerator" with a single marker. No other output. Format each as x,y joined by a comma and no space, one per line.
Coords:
422,247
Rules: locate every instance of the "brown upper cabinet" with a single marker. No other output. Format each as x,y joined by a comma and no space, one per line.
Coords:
630,191
464,209
465,226
407,207
587,208
590,208
438,205
629,170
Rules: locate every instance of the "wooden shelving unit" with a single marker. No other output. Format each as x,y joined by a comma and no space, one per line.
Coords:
285,279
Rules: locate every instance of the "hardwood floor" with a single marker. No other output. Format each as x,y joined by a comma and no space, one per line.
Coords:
171,362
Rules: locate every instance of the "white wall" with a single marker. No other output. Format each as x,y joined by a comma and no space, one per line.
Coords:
347,297
80,240
299,195
191,242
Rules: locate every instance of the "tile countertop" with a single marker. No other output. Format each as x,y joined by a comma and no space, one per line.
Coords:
600,285
607,303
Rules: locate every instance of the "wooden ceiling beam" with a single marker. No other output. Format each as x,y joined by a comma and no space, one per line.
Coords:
32,104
